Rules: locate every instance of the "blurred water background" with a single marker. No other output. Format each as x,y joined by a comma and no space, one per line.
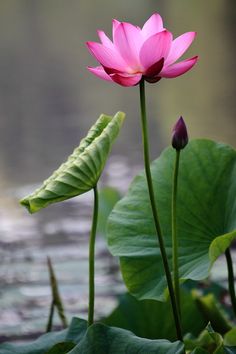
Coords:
48,101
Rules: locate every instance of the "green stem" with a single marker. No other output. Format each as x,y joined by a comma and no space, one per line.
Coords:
55,294
154,210
174,233
91,258
231,279
50,317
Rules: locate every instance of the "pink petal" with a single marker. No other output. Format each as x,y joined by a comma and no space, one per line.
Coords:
126,80
104,39
100,72
115,24
152,26
155,48
155,69
179,46
106,56
128,40
110,71
179,68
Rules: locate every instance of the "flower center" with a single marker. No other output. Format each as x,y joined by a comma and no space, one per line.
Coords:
135,70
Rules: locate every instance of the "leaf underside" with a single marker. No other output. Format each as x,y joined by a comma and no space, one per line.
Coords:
81,171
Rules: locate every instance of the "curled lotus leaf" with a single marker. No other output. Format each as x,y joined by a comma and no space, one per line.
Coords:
81,171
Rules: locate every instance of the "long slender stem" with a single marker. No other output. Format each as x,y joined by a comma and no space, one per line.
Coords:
231,279
174,233
154,210
92,257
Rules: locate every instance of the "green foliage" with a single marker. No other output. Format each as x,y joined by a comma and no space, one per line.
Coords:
230,337
141,317
217,338
61,348
206,217
211,310
83,168
101,339
208,341
213,294
44,343
199,350
98,338
108,197
40,346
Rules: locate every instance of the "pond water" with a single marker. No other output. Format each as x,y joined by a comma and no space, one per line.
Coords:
61,232
48,101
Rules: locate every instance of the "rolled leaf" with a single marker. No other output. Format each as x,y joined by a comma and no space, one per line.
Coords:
82,169
206,217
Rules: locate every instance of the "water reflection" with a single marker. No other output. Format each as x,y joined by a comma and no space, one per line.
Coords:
47,103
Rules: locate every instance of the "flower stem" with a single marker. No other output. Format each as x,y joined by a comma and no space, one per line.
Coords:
154,210
174,233
91,258
231,279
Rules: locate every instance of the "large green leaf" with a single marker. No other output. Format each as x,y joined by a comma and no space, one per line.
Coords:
108,197
206,217
101,339
44,343
83,168
141,317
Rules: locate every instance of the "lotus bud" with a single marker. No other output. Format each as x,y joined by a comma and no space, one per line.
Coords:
179,135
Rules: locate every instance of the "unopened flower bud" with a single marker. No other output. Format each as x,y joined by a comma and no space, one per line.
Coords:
179,135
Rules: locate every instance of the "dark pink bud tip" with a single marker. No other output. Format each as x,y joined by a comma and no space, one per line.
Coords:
179,135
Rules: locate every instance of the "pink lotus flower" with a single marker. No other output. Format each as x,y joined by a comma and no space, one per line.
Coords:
149,53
